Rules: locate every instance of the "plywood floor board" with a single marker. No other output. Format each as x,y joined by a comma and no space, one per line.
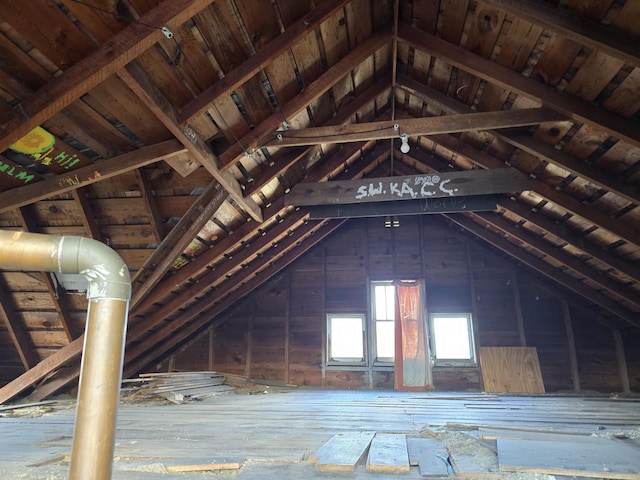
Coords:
600,458
430,455
511,370
343,452
388,453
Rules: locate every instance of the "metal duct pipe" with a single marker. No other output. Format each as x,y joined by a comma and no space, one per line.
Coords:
109,293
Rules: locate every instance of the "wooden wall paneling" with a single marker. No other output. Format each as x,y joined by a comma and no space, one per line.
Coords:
597,359
287,331
249,339
571,346
324,316
518,306
475,312
622,361
230,345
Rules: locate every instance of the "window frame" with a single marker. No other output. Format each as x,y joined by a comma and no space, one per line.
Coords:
453,362
336,361
377,360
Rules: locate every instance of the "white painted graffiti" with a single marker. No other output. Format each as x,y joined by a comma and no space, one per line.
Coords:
422,186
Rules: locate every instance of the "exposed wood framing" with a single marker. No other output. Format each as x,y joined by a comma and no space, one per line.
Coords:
94,69
19,337
571,345
580,29
529,144
544,268
255,63
413,127
504,77
311,93
139,82
83,176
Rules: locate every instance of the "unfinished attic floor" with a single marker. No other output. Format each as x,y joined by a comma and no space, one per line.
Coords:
274,434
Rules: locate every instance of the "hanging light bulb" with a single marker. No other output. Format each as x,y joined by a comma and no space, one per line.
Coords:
404,148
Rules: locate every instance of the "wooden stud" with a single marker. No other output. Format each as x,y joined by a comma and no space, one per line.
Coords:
622,361
518,305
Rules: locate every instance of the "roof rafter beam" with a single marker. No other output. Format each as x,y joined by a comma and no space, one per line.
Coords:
177,330
94,69
571,237
413,127
528,144
567,202
163,257
578,28
300,102
60,303
19,336
504,77
560,256
255,63
83,176
546,269
138,81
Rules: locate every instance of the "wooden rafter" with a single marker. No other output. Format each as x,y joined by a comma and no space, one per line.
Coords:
209,300
567,202
543,267
571,237
170,335
96,172
578,28
163,257
89,222
138,81
19,336
301,101
343,116
146,193
529,144
568,105
413,127
94,69
551,251
255,63
59,301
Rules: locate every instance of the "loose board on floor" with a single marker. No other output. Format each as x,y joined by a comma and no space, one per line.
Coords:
388,453
343,452
600,458
430,455
511,369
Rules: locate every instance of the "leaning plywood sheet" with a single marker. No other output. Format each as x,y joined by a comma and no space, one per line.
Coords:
388,453
600,458
430,455
511,369
344,451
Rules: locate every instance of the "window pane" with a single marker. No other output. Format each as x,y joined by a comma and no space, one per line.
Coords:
385,302
385,345
452,338
346,339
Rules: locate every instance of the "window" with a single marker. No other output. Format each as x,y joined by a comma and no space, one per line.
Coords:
346,339
452,339
384,314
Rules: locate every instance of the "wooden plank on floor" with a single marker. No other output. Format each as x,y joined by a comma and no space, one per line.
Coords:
601,458
430,455
203,466
388,453
343,452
